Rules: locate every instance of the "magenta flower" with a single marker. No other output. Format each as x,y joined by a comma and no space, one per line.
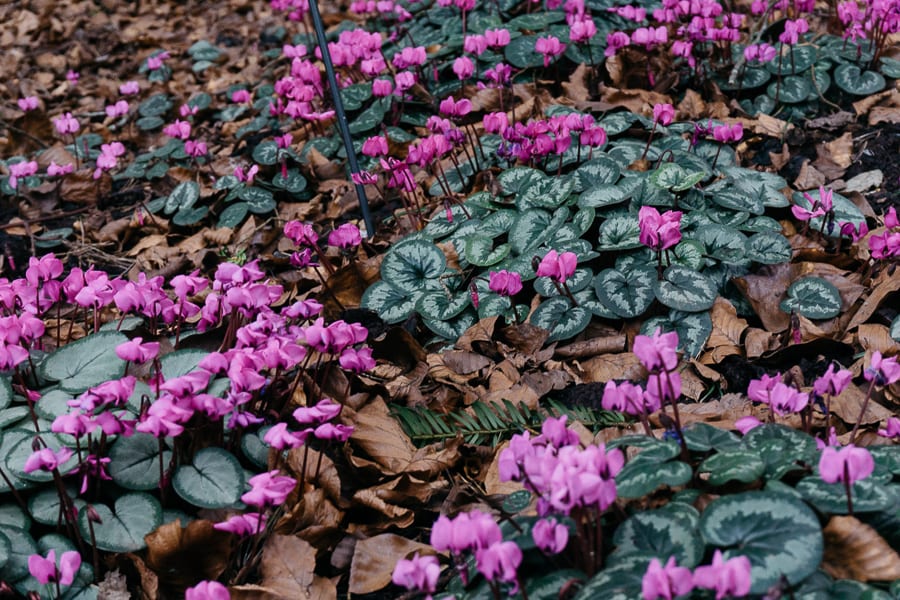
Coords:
243,525
550,536
832,382
302,234
240,96
891,428
280,438
268,489
20,170
666,581
499,561
207,590
847,465
658,351
659,231
745,424
505,283
178,129
27,103
792,31
384,87
455,108
419,574
55,170
333,432
582,30
357,361
884,371
558,267
137,352
784,399
496,38
471,530
624,397
663,114
46,571
727,578
72,77
66,123
195,149
346,236
760,53
615,41
118,109
726,134
246,176
550,47
376,145
129,88
46,459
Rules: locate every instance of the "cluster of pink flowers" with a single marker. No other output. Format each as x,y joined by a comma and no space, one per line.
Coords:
876,20
887,245
46,570
659,231
658,354
478,532
537,139
728,578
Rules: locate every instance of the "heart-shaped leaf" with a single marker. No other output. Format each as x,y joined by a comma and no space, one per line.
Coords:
454,328
733,465
628,295
85,363
5,550
480,251
155,106
183,197
600,195
778,533
578,281
518,179
18,455
790,89
752,78
693,329
214,480
547,192
703,437
619,582
521,54
793,60
259,201
233,215
413,266
529,230
294,183
850,78
6,392
621,232
868,495
123,530
560,318
844,211
135,462
684,289
45,508
782,449
597,171
722,243
769,248
21,546
639,478
440,305
812,297
660,534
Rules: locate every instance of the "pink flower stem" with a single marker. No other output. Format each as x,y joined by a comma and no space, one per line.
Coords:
862,411
649,140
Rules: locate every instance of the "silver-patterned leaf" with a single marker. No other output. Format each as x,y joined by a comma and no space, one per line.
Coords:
600,195
813,297
529,230
578,281
844,211
440,305
661,533
769,248
597,171
684,289
560,318
414,265
391,304
744,466
480,251
620,233
628,295
722,243
548,192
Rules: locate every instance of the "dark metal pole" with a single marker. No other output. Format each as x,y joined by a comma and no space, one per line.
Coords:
341,115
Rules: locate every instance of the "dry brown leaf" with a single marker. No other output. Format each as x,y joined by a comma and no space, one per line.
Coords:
848,405
809,177
464,362
758,341
398,516
727,326
854,550
592,347
374,560
183,556
287,569
874,337
871,304
381,437
884,114
839,151
601,369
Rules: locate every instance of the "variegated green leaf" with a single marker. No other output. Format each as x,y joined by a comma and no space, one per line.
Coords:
578,281
790,89
761,224
639,478
498,223
703,437
492,305
628,295
793,60
722,243
480,251
560,318
529,230
548,192
440,305
413,266
513,181
782,449
600,195
693,329
844,211
895,328
661,533
620,233
583,219
684,289
759,184
454,328
734,465
868,495
850,78
597,171
587,298
769,248
687,253
812,297
391,304
780,535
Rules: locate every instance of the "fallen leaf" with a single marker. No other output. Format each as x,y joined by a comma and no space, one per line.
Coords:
874,337
848,405
183,556
374,560
287,567
601,369
854,550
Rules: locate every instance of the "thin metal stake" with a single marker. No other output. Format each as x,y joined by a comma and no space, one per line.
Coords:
341,115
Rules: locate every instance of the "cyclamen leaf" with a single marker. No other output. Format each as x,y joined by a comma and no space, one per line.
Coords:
413,266
850,78
735,465
778,533
134,462
684,289
439,305
183,197
639,478
21,546
812,297
769,248
868,495
392,304
530,229
660,534
560,318
628,295
215,479
620,233
85,363
136,515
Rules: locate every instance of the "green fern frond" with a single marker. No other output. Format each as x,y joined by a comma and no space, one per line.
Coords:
491,422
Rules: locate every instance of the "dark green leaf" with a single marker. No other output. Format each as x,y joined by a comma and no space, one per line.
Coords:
850,78
136,515
686,290
135,461
85,363
215,479
733,465
391,304
812,297
628,295
413,266
560,318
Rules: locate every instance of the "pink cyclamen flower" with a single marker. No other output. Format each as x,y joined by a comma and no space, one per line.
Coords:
72,77
505,283
243,525
240,96
848,464
761,53
659,231
66,124
745,424
333,432
27,103
558,267
785,399
466,531
346,236
663,113
666,581
46,571
269,489
463,67
130,88
615,41
624,397
137,352
891,221
156,61
178,129
118,109
499,561
891,428
280,438
302,234
729,578
382,87
248,176
207,590
550,536
195,149
550,47
376,145
55,170
832,382
419,574
726,134
497,38
325,410
792,31
357,361
46,459
658,351
21,170
884,371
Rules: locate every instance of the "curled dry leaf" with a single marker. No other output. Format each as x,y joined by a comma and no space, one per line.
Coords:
848,405
182,556
854,550
874,337
287,569
601,369
374,560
